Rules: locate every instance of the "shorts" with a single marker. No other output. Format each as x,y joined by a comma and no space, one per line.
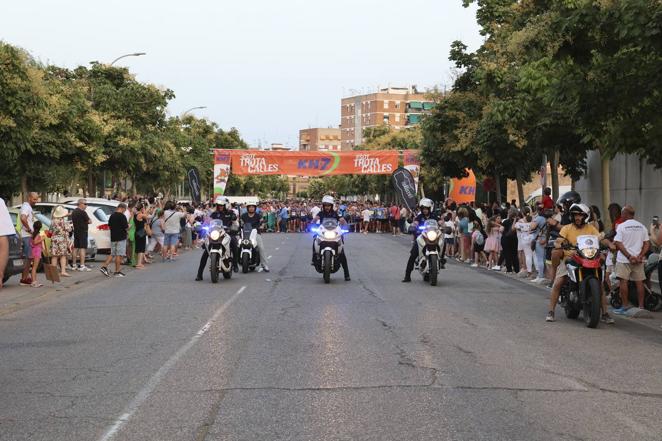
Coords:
171,239
450,241
118,248
629,271
561,271
153,241
27,248
80,240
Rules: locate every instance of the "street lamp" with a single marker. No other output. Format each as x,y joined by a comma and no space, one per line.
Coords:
192,109
135,54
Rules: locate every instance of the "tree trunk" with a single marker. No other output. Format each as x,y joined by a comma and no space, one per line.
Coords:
90,183
520,191
24,188
555,175
497,180
606,188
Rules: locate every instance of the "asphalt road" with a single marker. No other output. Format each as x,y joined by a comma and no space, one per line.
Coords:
281,356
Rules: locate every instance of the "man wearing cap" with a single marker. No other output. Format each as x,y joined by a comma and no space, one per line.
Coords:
81,220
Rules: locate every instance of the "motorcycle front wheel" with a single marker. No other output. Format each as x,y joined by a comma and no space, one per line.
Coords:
245,262
592,303
434,269
213,259
327,267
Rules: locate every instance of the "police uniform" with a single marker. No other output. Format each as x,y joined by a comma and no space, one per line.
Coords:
322,215
227,218
413,254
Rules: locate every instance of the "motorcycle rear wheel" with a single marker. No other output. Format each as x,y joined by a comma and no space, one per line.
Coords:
434,269
327,267
593,303
213,259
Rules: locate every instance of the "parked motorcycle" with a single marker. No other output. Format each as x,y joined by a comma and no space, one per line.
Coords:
652,299
430,242
581,292
249,254
328,246
217,244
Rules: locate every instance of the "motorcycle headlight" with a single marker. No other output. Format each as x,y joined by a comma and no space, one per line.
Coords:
329,234
246,242
215,235
432,235
589,253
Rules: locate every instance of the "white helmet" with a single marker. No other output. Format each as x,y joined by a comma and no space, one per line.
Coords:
328,200
222,200
581,209
426,203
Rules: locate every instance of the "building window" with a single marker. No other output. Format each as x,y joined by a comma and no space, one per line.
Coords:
397,104
385,118
397,117
386,103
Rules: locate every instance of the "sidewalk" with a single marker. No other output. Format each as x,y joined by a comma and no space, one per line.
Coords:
14,297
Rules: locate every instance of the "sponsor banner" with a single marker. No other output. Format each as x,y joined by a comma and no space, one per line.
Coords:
405,186
194,184
249,162
221,171
463,190
412,163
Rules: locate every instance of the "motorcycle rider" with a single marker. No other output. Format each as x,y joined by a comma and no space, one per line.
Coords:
228,217
569,233
566,200
254,219
327,212
426,206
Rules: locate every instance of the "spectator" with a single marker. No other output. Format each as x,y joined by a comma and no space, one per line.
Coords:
394,218
284,216
156,227
633,244
119,231
464,234
139,221
509,241
655,233
6,229
547,201
171,229
81,222
493,242
366,214
26,224
60,230
37,246
449,235
539,236
525,227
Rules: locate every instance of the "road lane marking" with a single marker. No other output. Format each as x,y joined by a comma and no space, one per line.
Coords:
154,381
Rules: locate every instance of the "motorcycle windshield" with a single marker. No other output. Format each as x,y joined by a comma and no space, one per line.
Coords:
431,224
587,241
248,228
330,224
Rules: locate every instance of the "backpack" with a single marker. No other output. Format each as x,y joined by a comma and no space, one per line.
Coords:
479,239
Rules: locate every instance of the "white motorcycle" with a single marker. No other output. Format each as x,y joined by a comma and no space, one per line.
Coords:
430,243
328,246
249,254
217,244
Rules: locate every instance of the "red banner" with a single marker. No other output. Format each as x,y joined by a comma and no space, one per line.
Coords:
257,162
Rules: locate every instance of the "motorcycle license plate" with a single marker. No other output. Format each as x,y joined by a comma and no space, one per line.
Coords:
18,262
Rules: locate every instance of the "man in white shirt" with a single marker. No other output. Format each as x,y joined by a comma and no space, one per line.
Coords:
633,244
27,222
314,212
6,229
366,214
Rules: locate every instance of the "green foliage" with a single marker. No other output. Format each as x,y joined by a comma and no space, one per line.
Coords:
62,129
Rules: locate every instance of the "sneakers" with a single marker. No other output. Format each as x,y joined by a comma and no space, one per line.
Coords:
496,268
621,311
119,274
198,279
84,269
265,268
347,278
26,282
104,271
550,317
407,279
474,265
36,285
606,318
536,280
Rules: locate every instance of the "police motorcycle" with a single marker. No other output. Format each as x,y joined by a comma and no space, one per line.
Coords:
328,247
430,242
218,244
581,292
249,254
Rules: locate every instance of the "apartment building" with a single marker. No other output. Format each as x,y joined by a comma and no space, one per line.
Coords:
320,139
397,107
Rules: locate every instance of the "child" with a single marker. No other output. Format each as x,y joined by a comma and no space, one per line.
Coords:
37,244
493,242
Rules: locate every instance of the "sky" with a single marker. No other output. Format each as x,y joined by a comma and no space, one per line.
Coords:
266,67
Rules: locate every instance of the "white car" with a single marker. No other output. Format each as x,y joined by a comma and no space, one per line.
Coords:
107,205
98,229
